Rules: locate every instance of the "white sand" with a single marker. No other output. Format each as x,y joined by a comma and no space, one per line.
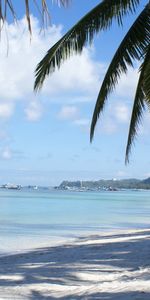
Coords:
110,266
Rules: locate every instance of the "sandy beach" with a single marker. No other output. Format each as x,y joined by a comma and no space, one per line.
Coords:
108,266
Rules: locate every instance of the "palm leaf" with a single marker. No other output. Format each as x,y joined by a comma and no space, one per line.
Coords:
146,80
75,39
42,8
137,113
139,103
28,15
131,47
62,2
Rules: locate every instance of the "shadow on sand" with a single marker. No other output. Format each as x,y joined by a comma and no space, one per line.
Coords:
80,267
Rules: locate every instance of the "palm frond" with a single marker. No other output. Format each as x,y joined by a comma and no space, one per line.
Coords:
131,47
146,80
99,18
41,6
62,2
4,6
137,113
139,103
28,15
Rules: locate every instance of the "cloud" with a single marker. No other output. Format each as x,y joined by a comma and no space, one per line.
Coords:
121,113
18,67
144,127
68,113
77,81
78,78
72,114
33,111
115,117
121,174
3,135
6,153
6,110
127,84
109,126
147,175
82,122
119,104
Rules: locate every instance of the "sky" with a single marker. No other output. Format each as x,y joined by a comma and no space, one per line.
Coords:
44,137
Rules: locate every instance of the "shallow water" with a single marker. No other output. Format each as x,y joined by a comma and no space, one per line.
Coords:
38,218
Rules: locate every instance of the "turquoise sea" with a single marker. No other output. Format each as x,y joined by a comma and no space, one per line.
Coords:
38,218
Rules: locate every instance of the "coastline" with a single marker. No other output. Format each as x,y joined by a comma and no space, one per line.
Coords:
112,265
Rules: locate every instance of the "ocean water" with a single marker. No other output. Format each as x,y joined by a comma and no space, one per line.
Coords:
38,218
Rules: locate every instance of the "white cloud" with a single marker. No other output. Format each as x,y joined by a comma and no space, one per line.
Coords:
114,118
121,173
17,69
3,135
121,113
144,127
109,126
82,122
33,111
68,112
146,123
6,109
6,153
127,84
147,175
78,78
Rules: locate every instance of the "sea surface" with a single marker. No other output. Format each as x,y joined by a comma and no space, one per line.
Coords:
37,218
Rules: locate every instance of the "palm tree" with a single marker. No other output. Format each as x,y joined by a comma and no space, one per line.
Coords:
134,46
42,8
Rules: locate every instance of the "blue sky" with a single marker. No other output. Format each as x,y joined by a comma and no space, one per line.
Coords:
44,138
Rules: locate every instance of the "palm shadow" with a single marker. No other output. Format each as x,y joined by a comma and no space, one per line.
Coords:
75,265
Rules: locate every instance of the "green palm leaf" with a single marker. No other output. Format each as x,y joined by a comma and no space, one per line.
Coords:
141,97
132,47
75,39
146,83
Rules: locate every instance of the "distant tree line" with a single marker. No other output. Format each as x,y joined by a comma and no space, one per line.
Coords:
100,184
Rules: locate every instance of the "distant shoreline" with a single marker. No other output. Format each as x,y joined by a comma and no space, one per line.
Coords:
110,185
90,185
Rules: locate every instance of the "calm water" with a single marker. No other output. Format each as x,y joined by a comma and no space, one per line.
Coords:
35,218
